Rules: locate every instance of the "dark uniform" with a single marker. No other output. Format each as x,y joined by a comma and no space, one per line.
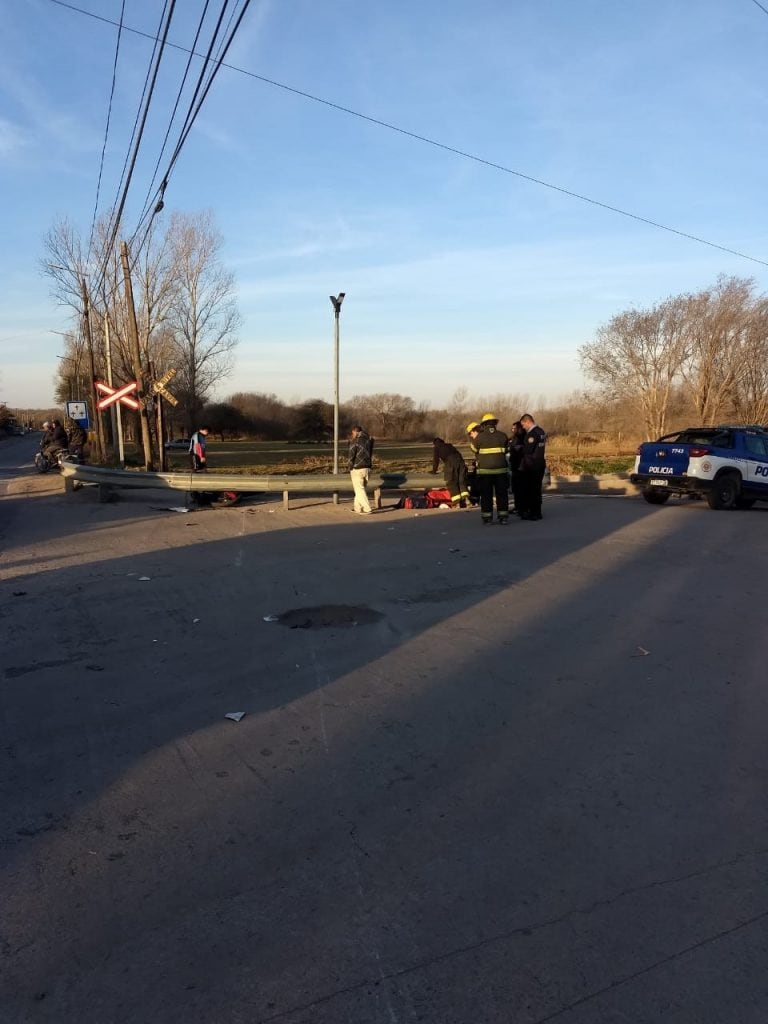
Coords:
531,472
492,473
515,458
454,471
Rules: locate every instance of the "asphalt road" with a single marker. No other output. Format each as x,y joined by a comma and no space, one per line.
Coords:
528,785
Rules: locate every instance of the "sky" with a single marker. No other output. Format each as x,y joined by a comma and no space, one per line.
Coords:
456,273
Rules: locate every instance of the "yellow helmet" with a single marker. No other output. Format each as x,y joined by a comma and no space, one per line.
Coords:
472,426
488,417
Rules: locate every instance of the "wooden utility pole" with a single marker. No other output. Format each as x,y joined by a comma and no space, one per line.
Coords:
133,330
100,446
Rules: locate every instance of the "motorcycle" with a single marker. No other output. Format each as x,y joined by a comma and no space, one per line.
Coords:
46,460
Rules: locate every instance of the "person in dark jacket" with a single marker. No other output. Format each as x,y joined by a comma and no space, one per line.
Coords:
516,439
532,466
60,438
359,465
492,470
78,438
454,471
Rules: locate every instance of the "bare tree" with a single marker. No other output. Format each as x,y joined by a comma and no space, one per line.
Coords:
718,322
750,398
203,314
638,356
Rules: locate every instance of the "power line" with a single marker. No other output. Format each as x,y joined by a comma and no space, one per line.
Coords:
145,206
441,145
106,131
124,196
758,4
202,91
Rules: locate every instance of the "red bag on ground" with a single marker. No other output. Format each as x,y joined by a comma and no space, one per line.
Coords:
436,498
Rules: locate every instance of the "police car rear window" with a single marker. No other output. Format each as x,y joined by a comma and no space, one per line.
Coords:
717,438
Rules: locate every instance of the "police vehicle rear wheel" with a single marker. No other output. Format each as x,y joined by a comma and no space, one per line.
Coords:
725,492
655,496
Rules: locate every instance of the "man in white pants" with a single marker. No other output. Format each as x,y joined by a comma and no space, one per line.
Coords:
360,454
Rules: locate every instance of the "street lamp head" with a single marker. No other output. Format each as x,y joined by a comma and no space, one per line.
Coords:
336,301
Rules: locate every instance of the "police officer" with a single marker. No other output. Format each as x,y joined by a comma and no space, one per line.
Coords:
531,469
516,439
492,472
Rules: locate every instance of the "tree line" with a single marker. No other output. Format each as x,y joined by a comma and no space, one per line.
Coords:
185,308
701,356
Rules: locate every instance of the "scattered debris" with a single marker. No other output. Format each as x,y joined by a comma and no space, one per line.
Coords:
271,618
19,593
235,716
95,668
169,508
454,550
144,579
641,653
194,621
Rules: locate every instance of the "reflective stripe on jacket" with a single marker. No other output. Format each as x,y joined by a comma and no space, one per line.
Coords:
491,447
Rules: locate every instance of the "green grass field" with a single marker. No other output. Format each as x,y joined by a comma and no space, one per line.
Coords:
281,457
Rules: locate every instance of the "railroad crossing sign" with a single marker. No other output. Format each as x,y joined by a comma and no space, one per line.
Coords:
158,387
114,395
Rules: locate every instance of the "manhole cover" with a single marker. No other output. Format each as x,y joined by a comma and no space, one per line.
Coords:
329,616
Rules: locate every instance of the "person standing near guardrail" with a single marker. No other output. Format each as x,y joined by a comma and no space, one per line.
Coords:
359,466
197,449
492,470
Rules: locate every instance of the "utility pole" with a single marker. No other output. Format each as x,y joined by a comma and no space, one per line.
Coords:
336,301
146,437
117,416
100,446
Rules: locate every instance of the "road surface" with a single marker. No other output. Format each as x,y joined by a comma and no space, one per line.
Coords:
484,775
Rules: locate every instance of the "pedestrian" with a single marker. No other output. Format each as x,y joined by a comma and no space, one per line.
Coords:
532,466
492,470
78,438
197,456
454,471
359,466
516,439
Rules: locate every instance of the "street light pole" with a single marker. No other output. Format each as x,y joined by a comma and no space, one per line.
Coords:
336,302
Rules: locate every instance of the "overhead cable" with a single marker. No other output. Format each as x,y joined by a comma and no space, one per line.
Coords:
445,147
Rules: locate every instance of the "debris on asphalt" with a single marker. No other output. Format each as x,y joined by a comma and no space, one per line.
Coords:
454,550
194,621
271,618
235,716
19,593
144,579
641,653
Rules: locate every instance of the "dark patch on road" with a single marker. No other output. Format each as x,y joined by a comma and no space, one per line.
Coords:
22,670
329,616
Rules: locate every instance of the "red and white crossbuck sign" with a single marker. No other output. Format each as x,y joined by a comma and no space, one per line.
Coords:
121,394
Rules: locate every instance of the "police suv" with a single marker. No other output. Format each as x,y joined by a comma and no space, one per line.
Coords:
726,465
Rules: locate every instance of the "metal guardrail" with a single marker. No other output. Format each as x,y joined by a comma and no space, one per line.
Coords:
318,483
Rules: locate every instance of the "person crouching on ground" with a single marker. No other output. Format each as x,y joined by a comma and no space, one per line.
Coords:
197,455
360,460
454,471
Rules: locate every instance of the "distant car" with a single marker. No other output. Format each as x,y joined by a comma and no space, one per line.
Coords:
727,465
180,443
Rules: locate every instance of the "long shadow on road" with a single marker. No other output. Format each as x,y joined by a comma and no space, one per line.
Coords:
534,783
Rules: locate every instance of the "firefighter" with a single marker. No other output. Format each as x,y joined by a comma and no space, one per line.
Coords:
492,470
454,471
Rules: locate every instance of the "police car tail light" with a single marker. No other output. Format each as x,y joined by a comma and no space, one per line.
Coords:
697,452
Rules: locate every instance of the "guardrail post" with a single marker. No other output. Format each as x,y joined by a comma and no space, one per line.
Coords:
285,500
377,497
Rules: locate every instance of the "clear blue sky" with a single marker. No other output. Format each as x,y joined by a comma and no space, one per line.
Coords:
456,273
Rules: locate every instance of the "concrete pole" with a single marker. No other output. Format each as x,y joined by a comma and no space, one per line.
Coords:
336,302
117,416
